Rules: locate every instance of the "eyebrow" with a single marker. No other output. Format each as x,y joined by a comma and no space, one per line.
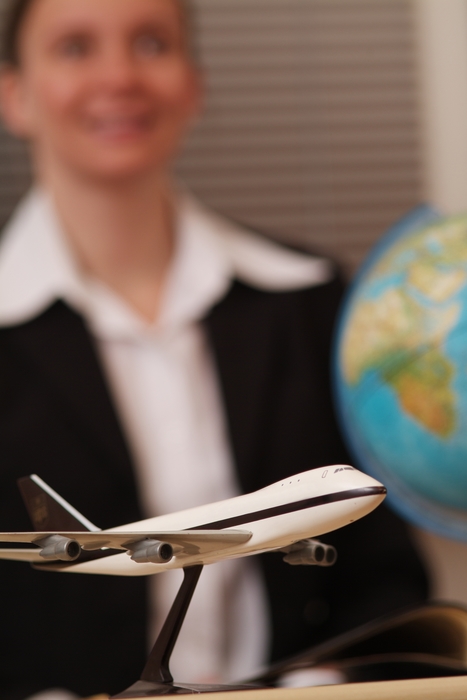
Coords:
80,28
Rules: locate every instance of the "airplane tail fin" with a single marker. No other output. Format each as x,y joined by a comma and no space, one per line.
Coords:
49,511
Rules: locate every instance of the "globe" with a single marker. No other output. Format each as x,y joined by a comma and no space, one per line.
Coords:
400,369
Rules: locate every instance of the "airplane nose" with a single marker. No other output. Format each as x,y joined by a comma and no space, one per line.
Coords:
379,491
372,496
375,488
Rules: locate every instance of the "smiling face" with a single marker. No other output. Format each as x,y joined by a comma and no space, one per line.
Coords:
104,88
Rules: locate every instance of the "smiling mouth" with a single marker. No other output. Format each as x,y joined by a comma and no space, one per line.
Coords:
120,127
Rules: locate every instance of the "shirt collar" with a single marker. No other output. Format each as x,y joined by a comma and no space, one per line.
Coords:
37,268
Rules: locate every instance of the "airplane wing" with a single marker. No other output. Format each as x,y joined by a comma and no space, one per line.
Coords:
183,541
31,555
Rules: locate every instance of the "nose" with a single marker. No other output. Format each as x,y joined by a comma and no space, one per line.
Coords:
374,486
375,492
379,492
370,496
372,489
117,71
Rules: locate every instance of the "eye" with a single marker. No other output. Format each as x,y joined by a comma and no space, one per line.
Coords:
74,47
149,44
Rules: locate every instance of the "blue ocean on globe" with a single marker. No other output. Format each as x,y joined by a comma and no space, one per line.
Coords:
400,369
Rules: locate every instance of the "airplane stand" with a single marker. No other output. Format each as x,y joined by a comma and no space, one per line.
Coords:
156,679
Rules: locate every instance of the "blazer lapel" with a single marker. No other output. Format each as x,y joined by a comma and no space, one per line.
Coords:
57,346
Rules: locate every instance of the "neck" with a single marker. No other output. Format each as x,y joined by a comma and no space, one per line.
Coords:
121,234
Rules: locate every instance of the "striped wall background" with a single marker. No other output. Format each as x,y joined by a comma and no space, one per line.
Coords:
311,128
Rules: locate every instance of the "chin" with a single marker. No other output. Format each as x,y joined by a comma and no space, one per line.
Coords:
115,169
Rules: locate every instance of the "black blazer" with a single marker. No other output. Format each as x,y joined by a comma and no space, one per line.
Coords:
87,633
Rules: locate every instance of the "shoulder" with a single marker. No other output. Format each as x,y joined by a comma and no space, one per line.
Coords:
317,305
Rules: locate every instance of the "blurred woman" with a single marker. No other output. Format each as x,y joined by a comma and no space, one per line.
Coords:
155,357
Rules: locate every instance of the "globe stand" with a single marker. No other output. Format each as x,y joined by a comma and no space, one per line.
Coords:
156,679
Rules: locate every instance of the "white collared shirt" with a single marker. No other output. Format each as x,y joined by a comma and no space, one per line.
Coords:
164,384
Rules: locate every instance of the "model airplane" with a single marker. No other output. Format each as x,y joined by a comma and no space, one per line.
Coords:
284,516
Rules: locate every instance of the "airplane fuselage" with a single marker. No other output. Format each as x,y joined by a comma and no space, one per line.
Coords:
304,506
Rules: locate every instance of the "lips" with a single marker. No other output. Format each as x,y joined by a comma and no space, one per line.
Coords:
119,126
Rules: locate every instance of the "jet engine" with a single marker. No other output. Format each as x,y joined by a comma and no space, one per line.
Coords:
311,553
151,551
57,547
